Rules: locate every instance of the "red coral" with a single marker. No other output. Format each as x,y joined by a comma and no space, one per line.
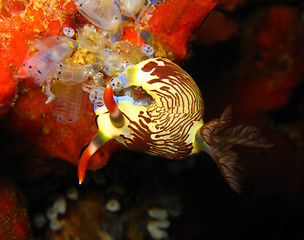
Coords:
174,21
7,87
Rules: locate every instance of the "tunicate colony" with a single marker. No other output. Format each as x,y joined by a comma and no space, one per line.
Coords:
84,60
58,208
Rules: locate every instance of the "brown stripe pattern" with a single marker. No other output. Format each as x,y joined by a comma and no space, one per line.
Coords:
167,127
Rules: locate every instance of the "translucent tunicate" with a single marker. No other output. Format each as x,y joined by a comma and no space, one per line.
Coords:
92,40
43,56
94,70
102,13
69,103
131,7
55,225
114,64
60,205
148,50
94,82
71,73
116,84
155,231
113,205
96,96
58,48
51,213
162,223
37,68
98,76
68,31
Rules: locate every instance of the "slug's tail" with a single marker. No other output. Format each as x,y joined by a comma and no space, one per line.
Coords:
217,139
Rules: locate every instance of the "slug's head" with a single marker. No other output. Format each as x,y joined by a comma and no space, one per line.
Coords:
158,112
113,124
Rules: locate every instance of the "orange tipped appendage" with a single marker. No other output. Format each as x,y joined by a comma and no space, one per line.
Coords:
83,164
96,143
109,100
116,117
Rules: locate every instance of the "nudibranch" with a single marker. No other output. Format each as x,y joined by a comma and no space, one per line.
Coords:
171,125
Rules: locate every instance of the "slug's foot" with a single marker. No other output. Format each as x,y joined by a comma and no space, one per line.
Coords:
217,139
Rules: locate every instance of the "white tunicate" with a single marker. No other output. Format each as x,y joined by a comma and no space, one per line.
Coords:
60,205
155,232
113,205
94,82
162,223
72,194
131,7
58,48
37,68
113,64
96,96
158,213
39,220
68,31
51,213
102,13
93,70
98,76
43,56
69,103
147,49
55,225
92,40
71,73
116,84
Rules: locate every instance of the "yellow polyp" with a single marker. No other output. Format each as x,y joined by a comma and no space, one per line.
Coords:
36,30
160,50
